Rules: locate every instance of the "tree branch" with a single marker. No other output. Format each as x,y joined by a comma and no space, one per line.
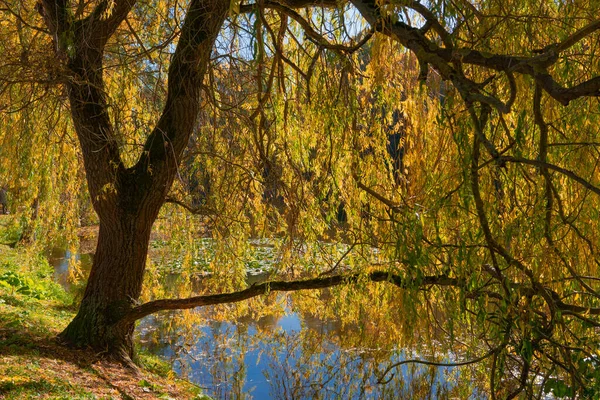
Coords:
579,35
442,59
287,8
193,210
375,194
540,164
428,52
282,286
102,22
435,23
158,163
380,380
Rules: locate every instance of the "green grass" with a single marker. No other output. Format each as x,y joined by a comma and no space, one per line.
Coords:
33,310
30,301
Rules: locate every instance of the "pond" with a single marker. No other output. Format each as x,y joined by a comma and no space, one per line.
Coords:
292,356
288,346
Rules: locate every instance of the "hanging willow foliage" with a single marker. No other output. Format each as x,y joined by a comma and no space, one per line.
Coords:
448,148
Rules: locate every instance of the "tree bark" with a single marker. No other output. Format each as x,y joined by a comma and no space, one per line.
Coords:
113,287
127,200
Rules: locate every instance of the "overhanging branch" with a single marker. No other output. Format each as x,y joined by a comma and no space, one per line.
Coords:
202,210
568,173
282,286
476,360
446,60
579,35
287,8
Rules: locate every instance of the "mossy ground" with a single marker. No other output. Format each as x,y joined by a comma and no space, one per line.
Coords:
33,310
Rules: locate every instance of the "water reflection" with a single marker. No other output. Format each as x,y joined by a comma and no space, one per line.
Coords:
294,346
63,261
295,355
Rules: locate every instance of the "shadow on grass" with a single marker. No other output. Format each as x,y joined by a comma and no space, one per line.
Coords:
15,342
31,370
24,345
41,385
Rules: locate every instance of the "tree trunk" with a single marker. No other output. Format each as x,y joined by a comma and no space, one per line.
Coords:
127,200
114,285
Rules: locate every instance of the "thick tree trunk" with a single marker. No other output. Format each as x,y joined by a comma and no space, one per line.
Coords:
127,200
114,285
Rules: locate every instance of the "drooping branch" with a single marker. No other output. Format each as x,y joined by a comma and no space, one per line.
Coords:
266,288
535,66
428,53
202,210
540,164
382,380
287,8
284,286
446,60
384,200
435,23
578,36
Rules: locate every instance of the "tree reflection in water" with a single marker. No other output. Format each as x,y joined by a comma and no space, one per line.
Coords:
301,346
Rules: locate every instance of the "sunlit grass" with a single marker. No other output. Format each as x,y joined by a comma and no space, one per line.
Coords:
33,311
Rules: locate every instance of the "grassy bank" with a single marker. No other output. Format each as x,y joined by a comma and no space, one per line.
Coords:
33,310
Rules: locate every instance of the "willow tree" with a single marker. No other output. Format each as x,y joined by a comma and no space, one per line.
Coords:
494,214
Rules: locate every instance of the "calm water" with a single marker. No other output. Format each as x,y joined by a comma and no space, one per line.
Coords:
291,354
290,357
61,260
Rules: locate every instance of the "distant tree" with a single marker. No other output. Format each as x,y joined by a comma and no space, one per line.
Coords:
496,224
